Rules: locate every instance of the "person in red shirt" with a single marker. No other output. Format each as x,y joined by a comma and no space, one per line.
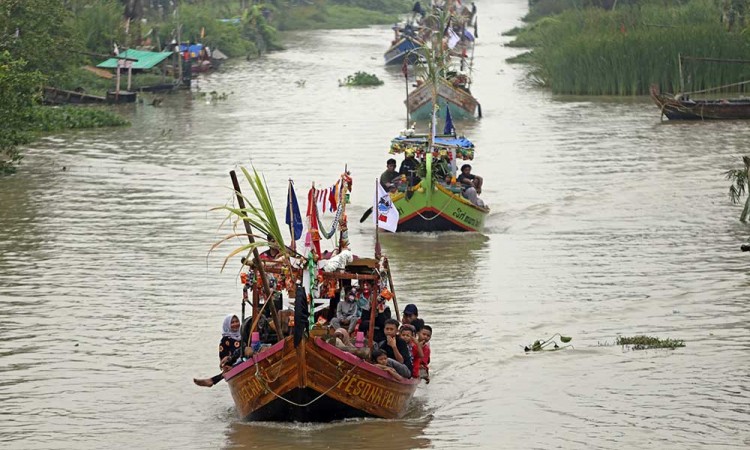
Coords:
408,333
424,336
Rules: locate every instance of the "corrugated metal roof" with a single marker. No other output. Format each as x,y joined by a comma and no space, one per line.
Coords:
146,60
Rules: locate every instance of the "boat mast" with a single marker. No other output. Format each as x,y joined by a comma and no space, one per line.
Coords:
256,257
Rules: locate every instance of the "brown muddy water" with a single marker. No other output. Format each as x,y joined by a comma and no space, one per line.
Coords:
604,222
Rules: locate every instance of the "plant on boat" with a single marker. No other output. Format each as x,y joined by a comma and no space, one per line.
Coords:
740,179
642,342
259,213
361,79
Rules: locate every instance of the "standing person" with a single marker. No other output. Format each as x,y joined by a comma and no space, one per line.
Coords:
390,178
229,347
471,184
395,347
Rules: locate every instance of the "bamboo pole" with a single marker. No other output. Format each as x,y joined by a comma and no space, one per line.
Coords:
256,258
387,265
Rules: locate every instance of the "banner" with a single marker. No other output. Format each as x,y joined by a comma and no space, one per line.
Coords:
386,214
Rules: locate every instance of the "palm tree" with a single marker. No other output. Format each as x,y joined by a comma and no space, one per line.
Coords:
740,179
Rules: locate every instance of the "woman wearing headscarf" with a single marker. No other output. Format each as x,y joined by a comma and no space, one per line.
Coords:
229,348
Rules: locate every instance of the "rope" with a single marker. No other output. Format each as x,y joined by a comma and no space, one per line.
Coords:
303,405
442,210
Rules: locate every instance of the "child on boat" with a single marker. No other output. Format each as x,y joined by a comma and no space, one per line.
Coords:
382,361
408,334
395,347
411,317
424,336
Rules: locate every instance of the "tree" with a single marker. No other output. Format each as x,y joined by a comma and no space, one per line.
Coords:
740,179
19,92
39,32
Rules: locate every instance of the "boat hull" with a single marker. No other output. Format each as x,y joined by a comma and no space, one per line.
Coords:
405,48
315,382
443,210
462,104
700,109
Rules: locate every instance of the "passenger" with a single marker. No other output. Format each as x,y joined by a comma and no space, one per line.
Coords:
229,346
396,369
442,167
409,167
382,314
411,317
347,313
390,178
395,347
409,334
423,340
471,184
342,339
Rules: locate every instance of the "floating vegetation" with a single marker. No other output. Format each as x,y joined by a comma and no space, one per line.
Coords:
642,342
540,345
361,79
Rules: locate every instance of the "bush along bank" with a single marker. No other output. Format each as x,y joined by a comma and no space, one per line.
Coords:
594,51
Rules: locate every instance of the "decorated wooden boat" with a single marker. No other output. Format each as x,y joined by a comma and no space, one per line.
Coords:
433,204
405,47
454,93
683,108
298,374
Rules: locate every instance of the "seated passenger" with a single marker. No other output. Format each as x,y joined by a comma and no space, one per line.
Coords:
395,347
396,369
442,167
347,313
423,340
471,184
228,347
409,167
342,339
390,179
411,317
408,334
382,314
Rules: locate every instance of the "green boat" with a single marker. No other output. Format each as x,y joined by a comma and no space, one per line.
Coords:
432,204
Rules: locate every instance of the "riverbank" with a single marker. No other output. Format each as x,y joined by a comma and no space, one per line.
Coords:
584,50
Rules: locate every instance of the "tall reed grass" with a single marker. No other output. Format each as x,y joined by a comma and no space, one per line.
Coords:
623,52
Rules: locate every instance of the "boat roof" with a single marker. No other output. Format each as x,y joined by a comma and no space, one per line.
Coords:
145,60
464,148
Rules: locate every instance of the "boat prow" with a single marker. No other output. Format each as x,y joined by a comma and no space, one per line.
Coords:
315,382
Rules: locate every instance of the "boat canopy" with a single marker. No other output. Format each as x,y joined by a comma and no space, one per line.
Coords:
145,60
463,147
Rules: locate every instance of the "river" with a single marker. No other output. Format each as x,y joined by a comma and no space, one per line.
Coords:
604,221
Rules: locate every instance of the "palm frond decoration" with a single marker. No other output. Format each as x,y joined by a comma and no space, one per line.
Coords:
739,187
260,214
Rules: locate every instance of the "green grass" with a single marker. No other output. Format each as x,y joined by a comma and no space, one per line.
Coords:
648,342
598,52
361,79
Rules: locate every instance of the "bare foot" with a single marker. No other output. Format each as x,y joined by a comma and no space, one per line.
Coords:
205,382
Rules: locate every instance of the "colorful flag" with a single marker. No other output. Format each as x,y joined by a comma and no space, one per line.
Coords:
293,216
448,129
453,38
386,214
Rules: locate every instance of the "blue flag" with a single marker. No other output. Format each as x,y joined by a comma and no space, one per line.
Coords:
293,217
448,121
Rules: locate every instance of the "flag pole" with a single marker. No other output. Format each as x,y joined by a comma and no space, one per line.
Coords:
405,70
290,213
377,234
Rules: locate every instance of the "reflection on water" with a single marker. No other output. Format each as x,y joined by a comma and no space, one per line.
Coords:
367,434
604,221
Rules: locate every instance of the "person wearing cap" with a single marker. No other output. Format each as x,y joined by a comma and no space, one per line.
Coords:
409,167
411,317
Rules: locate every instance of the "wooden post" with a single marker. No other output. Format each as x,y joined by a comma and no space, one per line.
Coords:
130,73
371,329
256,259
679,63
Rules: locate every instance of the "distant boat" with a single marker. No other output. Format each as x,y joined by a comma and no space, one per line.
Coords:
455,93
406,47
431,204
683,108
